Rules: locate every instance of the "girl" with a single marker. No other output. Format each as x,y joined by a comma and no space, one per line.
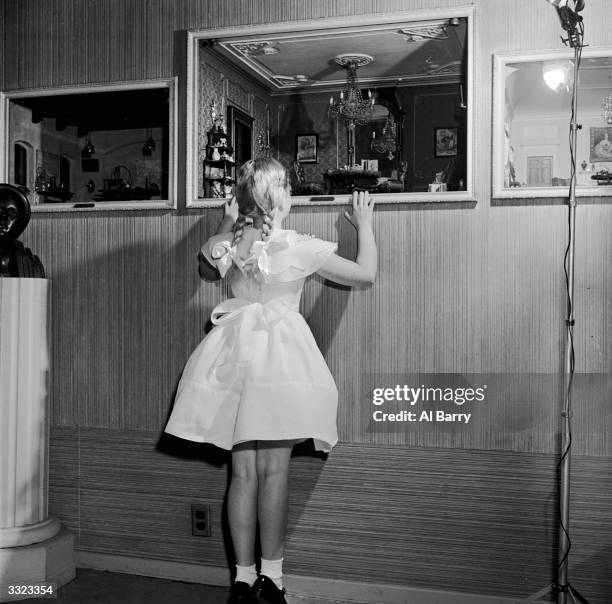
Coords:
257,383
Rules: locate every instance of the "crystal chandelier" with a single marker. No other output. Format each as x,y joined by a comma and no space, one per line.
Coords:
88,150
606,105
351,105
388,144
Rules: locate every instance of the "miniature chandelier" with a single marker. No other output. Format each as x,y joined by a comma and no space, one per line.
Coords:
149,145
351,105
606,105
388,144
88,150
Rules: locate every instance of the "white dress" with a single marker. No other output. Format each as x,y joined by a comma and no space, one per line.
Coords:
259,375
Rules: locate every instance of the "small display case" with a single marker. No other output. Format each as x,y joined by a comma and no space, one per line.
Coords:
219,165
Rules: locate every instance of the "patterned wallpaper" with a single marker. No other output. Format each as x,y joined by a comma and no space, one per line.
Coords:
224,86
307,114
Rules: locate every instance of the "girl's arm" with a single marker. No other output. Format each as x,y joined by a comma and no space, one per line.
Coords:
229,217
363,269
205,269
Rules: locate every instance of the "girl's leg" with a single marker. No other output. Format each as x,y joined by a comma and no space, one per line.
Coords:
273,479
242,502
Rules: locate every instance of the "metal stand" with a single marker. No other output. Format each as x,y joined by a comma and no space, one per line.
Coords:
566,413
562,588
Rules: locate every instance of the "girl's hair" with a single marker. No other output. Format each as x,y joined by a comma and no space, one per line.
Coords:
261,187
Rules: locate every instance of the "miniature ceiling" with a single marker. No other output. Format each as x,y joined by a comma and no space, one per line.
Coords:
403,54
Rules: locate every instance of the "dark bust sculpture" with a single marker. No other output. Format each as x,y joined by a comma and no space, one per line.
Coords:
15,259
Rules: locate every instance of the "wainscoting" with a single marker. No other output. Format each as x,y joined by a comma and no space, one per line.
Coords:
480,522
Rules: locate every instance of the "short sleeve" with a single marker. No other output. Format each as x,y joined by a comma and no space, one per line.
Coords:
217,252
299,257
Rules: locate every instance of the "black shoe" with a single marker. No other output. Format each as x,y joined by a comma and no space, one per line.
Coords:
267,592
242,593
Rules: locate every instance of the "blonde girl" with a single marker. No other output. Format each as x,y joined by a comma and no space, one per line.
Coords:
257,383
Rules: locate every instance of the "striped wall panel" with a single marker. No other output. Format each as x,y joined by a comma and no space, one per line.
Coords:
129,308
473,521
591,511
2,48
75,41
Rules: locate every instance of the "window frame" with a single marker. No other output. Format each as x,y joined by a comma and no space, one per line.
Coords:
147,205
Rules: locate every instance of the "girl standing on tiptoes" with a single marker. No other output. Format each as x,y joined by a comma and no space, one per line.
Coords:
257,383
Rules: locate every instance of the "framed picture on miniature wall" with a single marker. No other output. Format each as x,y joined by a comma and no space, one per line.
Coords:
445,142
600,144
306,146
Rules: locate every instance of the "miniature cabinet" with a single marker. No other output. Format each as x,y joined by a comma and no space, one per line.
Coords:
219,164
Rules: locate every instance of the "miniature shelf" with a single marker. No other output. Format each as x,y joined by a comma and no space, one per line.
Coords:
219,165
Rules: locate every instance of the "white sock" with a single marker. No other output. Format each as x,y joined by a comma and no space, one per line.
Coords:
273,569
246,574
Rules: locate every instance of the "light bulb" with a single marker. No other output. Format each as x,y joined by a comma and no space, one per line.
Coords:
558,76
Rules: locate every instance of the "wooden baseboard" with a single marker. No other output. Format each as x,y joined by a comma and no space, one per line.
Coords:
302,590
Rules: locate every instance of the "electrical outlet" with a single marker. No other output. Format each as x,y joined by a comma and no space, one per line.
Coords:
200,519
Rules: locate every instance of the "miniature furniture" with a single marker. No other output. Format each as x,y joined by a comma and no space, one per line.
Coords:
219,165
304,187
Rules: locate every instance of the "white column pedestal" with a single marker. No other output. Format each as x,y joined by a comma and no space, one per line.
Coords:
32,547
50,561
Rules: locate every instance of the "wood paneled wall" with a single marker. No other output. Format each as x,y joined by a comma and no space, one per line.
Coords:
475,290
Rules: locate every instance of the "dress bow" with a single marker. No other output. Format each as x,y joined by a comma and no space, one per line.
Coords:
252,316
260,254
222,253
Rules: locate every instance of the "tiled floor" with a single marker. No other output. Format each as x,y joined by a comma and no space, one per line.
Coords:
99,587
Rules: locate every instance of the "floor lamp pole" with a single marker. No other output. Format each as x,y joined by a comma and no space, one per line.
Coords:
571,22
563,586
564,469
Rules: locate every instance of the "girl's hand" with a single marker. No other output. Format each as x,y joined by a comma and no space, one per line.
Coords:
231,209
239,228
363,210
230,217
